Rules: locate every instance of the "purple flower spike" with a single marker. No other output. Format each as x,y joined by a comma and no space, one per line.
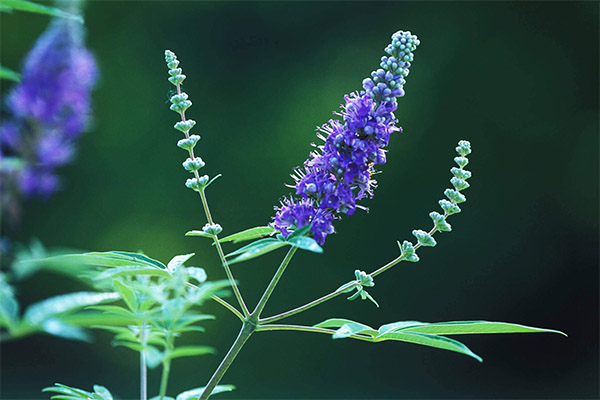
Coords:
340,171
49,110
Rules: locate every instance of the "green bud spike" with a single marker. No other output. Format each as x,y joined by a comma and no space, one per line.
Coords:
212,229
439,221
185,126
455,196
449,208
461,161
461,173
424,238
407,251
193,165
189,143
459,184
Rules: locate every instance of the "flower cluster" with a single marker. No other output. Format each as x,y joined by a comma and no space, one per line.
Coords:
340,172
49,110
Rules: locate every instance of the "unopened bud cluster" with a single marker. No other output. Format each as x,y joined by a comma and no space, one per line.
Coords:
180,103
449,205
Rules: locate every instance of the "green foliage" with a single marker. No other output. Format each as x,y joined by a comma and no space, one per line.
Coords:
28,6
426,334
194,393
65,392
9,74
249,234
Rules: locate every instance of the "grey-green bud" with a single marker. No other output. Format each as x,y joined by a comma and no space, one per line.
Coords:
192,165
464,148
461,173
212,229
455,196
185,126
363,278
177,79
407,251
188,143
424,238
459,184
449,207
461,161
440,222
197,184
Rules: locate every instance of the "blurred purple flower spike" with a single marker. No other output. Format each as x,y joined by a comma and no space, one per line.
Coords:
48,110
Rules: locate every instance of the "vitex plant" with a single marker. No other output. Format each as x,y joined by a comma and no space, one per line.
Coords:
333,182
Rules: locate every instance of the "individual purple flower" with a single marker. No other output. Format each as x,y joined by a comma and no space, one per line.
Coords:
340,172
48,111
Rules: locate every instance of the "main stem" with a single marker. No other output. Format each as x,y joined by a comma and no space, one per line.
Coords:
166,366
247,329
143,369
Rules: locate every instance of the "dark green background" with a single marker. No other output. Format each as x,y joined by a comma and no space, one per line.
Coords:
519,80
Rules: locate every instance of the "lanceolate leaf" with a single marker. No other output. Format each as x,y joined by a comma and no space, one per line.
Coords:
306,243
249,234
131,270
43,310
255,249
188,351
425,339
347,328
109,259
462,328
65,392
8,74
23,5
199,233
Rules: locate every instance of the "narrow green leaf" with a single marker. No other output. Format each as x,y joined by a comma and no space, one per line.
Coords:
108,259
45,309
9,307
306,243
469,327
257,251
425,339
103,392
199,233
127,293
129,270
56,327
9,74
178,261
299,232
28,6
395,325
67,390
249,234
189,351
251,245
347,328
195,393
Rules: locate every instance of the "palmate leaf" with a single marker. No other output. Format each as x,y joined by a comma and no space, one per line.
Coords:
427,334
24,5
249,234
65,392
195,393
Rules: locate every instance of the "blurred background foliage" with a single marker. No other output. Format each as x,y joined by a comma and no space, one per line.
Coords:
517,79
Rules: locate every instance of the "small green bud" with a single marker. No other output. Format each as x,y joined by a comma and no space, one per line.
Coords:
407,251
172,64
455,196
188,143
461,173
464,148
459,184
197,184
185,126
170,56
179,98
193,165
181,106
439,221
424,238
177,79
363,278
461,161
449,208
175,71
212,229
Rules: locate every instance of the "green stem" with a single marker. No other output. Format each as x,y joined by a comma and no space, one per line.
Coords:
166,366
143,369
236,290
269,290
301,308
302,328
247,329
